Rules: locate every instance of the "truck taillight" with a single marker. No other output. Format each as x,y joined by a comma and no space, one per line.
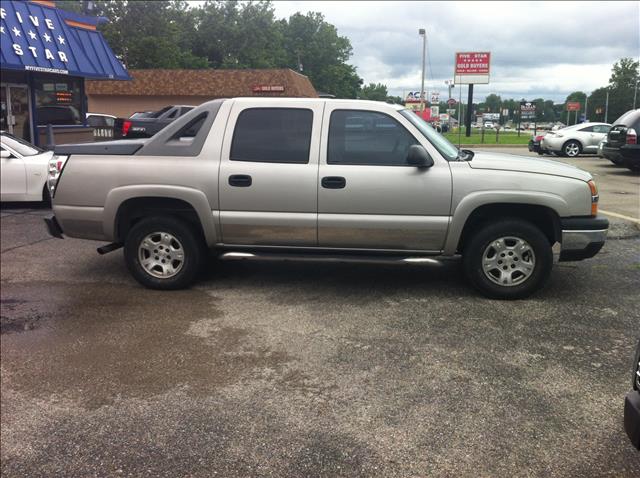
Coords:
126,126
56,164
632,137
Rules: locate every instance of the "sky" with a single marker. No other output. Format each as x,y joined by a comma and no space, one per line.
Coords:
538,49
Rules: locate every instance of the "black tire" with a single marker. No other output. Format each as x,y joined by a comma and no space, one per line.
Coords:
482,239
191,242
568,148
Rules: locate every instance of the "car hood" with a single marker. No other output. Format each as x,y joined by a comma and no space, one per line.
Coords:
526,164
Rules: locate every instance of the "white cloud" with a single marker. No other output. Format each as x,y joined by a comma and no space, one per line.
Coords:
546,49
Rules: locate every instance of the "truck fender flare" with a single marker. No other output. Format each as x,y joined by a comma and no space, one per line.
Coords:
196,198
473,201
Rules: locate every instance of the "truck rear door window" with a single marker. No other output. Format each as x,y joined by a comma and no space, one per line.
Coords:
272,135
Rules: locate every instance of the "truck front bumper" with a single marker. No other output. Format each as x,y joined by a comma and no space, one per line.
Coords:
582,237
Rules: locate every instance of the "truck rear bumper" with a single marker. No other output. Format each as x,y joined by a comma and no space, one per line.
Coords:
582,237
53,226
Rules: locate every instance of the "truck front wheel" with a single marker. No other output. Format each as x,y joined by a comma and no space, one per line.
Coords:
164,253
508,259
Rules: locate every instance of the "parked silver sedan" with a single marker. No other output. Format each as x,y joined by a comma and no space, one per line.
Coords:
574,140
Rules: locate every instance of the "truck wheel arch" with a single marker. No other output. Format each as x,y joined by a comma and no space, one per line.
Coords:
543,209
191,203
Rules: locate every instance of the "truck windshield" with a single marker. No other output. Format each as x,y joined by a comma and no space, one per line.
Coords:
444,147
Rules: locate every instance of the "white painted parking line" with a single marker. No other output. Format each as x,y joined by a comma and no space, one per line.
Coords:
619,216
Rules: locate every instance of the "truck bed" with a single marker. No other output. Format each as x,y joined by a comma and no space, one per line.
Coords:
119,147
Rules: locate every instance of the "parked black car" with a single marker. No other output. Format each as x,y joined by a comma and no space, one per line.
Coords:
534,144
145,126
621,146
632,404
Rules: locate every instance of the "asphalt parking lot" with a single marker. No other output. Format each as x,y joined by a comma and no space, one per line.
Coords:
298,369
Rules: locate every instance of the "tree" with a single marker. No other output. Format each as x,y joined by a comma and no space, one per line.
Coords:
374,92
492,103
625,75
397,100
596,106
314,44
149,34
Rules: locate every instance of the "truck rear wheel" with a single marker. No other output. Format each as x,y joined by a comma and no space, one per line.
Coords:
509,259
164,253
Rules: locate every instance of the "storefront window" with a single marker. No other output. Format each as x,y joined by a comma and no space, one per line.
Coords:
58,101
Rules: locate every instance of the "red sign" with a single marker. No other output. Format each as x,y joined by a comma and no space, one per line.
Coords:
451,102
268,88
473,63
573,106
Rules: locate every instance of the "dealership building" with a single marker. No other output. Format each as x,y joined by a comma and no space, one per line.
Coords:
47,54
151,90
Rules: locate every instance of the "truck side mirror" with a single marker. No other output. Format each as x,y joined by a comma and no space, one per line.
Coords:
419,157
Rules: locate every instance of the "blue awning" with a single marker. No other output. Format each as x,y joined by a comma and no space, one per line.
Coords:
35,37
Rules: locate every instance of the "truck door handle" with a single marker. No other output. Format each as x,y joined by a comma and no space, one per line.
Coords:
333,182
240,180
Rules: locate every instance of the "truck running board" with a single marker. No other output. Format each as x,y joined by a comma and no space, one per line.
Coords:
355,258
109,248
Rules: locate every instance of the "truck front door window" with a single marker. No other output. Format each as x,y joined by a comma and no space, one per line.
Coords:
367,138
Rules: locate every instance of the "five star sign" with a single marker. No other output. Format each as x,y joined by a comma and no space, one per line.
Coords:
16,32
46,37
32,35
1,29
60,39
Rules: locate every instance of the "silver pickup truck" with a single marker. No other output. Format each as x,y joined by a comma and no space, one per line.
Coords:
322,179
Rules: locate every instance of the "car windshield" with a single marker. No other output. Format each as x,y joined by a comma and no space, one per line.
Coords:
157,114
20,146
444,147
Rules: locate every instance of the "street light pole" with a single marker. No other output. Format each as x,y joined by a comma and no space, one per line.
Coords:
635,93
423,34
606,107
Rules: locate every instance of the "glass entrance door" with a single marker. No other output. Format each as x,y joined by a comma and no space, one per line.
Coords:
15,110
4,114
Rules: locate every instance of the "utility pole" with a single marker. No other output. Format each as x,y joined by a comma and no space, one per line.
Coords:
635,93
586,111
422,32
606,107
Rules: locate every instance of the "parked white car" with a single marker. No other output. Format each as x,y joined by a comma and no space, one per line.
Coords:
24,169
574,140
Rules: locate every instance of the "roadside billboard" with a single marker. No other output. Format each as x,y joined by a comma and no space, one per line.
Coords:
573,106
472,67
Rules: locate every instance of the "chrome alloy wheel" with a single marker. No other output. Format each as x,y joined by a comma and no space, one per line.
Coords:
508,261
572,150
161,255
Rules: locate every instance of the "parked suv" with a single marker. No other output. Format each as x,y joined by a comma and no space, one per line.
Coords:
321,178
621,145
